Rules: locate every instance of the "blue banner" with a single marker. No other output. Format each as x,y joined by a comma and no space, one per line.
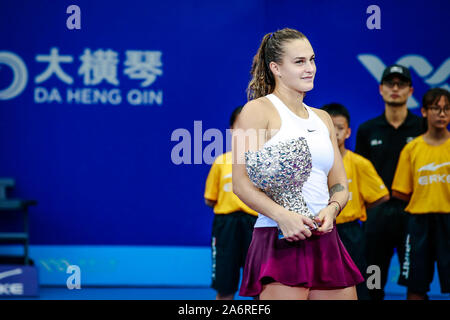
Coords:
111,112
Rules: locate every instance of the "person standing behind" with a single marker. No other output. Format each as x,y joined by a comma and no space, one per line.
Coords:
423,179
366,189
380,140
232,226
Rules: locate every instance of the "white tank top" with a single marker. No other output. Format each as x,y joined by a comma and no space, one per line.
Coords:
314,130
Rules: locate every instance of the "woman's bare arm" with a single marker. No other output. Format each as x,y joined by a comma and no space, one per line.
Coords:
250,134
337,179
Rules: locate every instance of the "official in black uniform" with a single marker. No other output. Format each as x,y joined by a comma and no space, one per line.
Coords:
380,140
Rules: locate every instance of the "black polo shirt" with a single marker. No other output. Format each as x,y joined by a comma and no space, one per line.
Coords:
381,143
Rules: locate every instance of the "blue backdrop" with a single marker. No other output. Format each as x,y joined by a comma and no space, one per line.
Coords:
89,117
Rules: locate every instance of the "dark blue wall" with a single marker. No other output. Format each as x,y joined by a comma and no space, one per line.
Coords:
103,172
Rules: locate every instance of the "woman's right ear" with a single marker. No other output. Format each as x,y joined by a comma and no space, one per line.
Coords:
275,69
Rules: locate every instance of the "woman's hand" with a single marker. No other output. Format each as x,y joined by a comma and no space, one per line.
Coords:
325,220
295,226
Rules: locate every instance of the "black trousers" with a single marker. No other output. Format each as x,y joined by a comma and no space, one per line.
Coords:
352,236
231,237
427,243
385,231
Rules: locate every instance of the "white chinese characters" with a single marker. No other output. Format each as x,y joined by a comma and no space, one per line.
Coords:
54,59
98,66
101,72
143,65
102,66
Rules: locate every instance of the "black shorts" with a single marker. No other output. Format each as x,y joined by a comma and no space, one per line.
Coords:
427,242
352,236
385,231
231,237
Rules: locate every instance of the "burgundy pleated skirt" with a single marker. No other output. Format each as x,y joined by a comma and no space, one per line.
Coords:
319,262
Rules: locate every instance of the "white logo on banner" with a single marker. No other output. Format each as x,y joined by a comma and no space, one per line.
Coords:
10,273
20,77
97,67
418,63
11,288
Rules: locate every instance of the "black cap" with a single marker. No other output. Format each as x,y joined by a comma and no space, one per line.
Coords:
396,69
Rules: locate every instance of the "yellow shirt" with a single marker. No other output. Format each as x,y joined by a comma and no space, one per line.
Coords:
423,171
364,184
219,187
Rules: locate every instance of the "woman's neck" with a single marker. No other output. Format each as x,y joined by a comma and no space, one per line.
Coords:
292,99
